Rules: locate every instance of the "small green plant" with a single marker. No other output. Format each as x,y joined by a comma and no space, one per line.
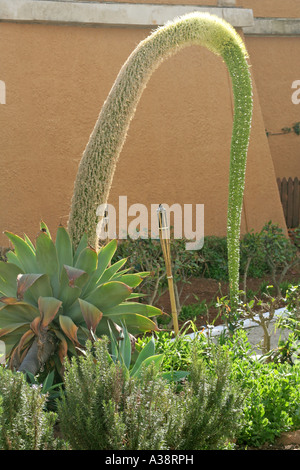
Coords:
192,311
103,408
112,411
272,392
280,254
54,298
177,350
24,423
213,403
289,349
48,387
121,353
272,403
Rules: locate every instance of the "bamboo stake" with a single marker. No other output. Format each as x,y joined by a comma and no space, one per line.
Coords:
104,221
164,236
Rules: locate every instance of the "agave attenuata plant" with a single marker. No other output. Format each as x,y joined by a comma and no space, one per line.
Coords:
54,297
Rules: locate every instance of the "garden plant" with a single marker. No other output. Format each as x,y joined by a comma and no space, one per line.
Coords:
54,298
97,166
68,310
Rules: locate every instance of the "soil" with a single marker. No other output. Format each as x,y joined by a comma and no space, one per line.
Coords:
208,290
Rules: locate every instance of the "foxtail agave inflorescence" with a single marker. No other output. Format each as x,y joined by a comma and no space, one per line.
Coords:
99,160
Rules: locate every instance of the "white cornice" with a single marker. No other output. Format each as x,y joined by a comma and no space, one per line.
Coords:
111,14
274,27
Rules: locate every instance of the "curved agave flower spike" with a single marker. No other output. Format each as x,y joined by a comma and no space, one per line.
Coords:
99,160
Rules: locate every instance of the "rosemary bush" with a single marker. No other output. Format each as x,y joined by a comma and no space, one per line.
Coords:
105,409
24,424
213,409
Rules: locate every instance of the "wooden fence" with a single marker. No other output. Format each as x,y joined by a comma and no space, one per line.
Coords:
290,199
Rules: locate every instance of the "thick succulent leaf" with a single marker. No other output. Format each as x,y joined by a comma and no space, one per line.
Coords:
64,248
69,292
147,351
20,312
35,326
156,360
137,295
111,271
125,347
120,347
45,229
9,300
82,245
46,258
13,259
10,328
83,334
113,345
69,328
29,242
24,282
24,253
40,288
25,339
133,307
46,255
76,277
74,312
109,295
63,345
135,324
11,341
87,260
131,280
48,307
8,279
104,257
91,314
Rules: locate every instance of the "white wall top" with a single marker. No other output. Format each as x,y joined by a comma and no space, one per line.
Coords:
114,14
2,92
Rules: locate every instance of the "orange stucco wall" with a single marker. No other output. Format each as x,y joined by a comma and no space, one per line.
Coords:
177,150
275,69
272,8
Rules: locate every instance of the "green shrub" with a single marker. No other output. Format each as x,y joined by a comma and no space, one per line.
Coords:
105,409
261,253
272,403
192,311
213,404
177,350
272,406
24,425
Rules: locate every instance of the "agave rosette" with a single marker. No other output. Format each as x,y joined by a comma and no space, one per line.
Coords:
75,293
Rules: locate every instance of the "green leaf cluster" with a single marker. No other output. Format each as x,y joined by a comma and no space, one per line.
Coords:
72,293
104,408
24,423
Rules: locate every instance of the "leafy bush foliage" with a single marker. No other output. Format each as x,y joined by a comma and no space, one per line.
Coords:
110,411
272,405
267,252
24,424
113,411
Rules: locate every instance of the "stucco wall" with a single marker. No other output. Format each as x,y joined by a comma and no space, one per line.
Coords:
178,143
272,8
276,68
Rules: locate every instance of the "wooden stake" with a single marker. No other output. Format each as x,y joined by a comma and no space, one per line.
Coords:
164,236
